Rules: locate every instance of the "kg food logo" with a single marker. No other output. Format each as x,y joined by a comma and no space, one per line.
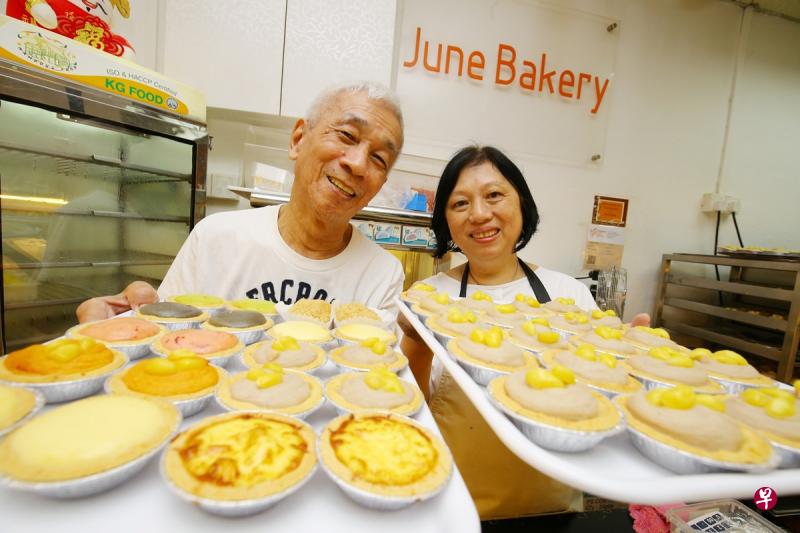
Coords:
46,52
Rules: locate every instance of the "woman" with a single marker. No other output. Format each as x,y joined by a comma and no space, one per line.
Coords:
485,210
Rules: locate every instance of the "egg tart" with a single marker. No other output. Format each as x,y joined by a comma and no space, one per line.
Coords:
265,307
563,305
645,338
63,369
185,380
505,316
240,463
608,340
599,371
376,390
216,346
17,404
730,370
536,336
416,292
455,322
531,307
271,388
554,411
129,335
287,352
486,354
569,323
384,461
303,331
368,354
692,433
355,333
173,315
248,326
664,366
205,302
478,301
98,436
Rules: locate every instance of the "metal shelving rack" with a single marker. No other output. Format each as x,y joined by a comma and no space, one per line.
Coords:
773,337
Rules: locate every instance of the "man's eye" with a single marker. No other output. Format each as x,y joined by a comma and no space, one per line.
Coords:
346,135
380,160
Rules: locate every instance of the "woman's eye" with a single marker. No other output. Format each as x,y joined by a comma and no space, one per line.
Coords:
459,204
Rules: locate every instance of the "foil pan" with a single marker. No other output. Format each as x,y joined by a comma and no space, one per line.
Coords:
37,405
649,384
232,508
737,387
187,407
172,326
683,462
479,373
63,391
250,337
564,334
87,485
789,457
555,438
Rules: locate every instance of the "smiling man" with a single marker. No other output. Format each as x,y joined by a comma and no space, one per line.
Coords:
343,151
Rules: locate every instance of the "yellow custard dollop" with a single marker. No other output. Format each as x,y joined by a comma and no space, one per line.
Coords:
480,295
671,357
63,356
658,332
598,314
728,357
458,316
557,377
492,337
588,352
381,378
268,375
683,397
178,374
777,403
199,300
608,333
360,332
576,318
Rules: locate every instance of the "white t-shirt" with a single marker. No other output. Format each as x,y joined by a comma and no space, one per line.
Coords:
241,254
556,283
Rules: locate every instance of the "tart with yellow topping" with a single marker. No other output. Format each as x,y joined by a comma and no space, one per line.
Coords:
287,352
17,404
505,316
664,366
355,333
173,315
102,436
487,353
691,433
416,292
433,304
205,302
63,369
265,307
536,336
129,335
645,338
730,369
606,318
384,461
182,378
240,463
531,307
216,346
248,326
456,322
478,301
368,354
377,390
554,411
598,370
607,340
301,330
563,305
271,388
569,323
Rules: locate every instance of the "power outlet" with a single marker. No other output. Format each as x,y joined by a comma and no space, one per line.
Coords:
217,186
732,205
712,202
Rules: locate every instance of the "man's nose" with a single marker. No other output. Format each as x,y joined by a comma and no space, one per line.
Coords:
356,159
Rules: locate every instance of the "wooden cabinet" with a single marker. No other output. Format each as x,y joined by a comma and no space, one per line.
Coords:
756,311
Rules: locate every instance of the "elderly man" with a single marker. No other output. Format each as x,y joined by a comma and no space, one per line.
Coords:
343,151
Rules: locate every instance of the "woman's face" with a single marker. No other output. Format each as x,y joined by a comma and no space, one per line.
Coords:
484,213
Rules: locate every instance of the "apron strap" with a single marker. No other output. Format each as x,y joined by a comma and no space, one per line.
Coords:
536,284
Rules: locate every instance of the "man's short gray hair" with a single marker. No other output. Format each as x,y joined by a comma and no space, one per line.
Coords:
373,90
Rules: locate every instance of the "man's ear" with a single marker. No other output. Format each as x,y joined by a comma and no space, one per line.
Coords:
296,138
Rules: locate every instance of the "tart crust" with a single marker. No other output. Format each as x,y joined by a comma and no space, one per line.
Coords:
116,385
314,396
631,386
117,361
710,387
24,402
333,392
76,332
250,362
399,363
530,360
159,348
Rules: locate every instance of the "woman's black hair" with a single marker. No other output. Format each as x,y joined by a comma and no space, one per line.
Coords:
471,156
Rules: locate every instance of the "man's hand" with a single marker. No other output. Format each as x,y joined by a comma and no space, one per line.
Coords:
136,294
642,319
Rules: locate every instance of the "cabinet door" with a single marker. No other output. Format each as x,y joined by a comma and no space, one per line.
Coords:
232,51
330,41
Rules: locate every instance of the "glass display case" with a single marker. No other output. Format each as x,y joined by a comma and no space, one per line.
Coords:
95,191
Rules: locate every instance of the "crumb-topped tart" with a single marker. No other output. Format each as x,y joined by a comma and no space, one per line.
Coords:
130,335
694,423
248,326
730,369
487,353
385,455
665,366
205,302
455,322
173,315
594,368
272,388
571,323
301,330
60,360
773,412
531,307
607,340
504,315
307,309
563,305
535,335
376,390
216,346
16,403
241,456
287,352
368,354
87,437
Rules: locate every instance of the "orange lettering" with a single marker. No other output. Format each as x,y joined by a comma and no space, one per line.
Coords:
425,64
582,76
562,83
413,62
460,53
478,61
546,76
599,92
501,62
530,75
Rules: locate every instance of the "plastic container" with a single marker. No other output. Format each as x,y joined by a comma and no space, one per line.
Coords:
718,515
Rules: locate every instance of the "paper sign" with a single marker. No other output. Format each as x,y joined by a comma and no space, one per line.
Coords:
610,211
601,256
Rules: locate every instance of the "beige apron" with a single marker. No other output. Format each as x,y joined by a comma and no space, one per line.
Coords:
501,484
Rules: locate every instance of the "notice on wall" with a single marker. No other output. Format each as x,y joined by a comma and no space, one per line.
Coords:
605,241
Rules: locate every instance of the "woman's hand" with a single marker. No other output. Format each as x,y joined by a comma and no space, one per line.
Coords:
642,319
136,294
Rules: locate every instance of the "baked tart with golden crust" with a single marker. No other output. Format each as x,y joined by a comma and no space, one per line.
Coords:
377,390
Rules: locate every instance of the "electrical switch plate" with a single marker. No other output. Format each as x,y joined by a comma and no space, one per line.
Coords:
217,186
732,205
713,202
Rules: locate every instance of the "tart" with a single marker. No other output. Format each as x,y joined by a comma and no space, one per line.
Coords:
775,414
554,411
185,380
384,461
486,353
216,346
100,437
205,302
536,336
240,463
17,404
505,316
355,333
357,313
172,315
129,335
691,433
366,355
667,367
598,370
730,369
271,388
301,330
607,318
478,301
248,326
433,304
287,352
645,338
64,369
531,307
569,323
377,390
306,309
265,307
456,322
608,340
563,305
417,292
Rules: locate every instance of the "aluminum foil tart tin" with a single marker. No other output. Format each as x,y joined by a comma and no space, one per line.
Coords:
556,438
87,485
650,384
220,361
736,387
38,404
683,462
789,457
564,334
249,337
479,373
188,407
131,350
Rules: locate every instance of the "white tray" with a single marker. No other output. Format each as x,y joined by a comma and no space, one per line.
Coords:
614,469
